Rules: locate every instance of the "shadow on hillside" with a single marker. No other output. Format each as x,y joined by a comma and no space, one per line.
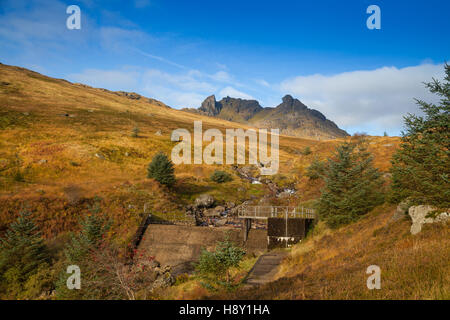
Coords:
187,189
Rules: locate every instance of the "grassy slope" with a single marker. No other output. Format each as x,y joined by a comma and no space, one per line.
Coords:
332,264
33,128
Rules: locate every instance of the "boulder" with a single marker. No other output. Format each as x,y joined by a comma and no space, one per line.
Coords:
204,201
419,217
402,210
163,281
220,222
230,205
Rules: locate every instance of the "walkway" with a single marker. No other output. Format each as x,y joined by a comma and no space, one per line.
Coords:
265,268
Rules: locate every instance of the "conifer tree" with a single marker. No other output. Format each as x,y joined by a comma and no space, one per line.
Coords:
421,166
161,169
22,251
352,185
79,252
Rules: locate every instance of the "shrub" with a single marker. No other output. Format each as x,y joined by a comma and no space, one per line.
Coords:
221,176
18,176
218,263
161,169
135,132
306,151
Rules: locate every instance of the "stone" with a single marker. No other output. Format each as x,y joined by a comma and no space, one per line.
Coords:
419,217
220,222
158,133
100,156
42,161
163,281
205,201
401,211
230,205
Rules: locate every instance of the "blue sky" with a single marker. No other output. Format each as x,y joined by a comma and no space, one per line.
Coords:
182,51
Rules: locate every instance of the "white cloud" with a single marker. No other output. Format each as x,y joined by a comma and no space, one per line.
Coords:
376,99
262,82
178,89
190,81
232,92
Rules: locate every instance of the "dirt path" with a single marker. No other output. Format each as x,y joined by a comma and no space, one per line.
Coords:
265,268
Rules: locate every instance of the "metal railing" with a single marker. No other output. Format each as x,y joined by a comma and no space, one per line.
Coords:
264,212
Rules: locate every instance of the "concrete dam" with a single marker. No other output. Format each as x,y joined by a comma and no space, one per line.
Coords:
179,245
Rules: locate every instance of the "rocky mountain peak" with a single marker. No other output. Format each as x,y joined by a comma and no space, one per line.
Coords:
290,104
210,106
291,116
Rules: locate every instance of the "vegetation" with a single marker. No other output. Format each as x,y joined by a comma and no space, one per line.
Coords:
216,265
306,151
352,185
221,176
315,170
35,131
332,263
421,166
161,169
24,259
135,132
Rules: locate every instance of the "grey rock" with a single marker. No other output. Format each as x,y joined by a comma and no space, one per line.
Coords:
419,217
402,210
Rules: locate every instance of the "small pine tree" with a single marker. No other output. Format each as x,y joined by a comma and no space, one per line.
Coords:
352,185
93,229
385,134
161,169
22,252
421,166
135,132
78,251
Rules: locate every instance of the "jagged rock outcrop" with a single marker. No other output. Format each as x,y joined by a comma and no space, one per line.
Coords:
291,116
210,106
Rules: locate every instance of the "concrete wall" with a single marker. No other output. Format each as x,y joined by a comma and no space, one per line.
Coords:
179,246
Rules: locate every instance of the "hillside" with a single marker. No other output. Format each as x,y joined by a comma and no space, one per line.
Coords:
291,116
63,145
332,264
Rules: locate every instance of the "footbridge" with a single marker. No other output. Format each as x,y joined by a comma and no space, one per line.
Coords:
285,225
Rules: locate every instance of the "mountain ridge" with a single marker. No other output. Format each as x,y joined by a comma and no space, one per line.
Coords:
291,116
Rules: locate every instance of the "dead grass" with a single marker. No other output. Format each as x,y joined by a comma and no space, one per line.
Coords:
332,264
55,134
